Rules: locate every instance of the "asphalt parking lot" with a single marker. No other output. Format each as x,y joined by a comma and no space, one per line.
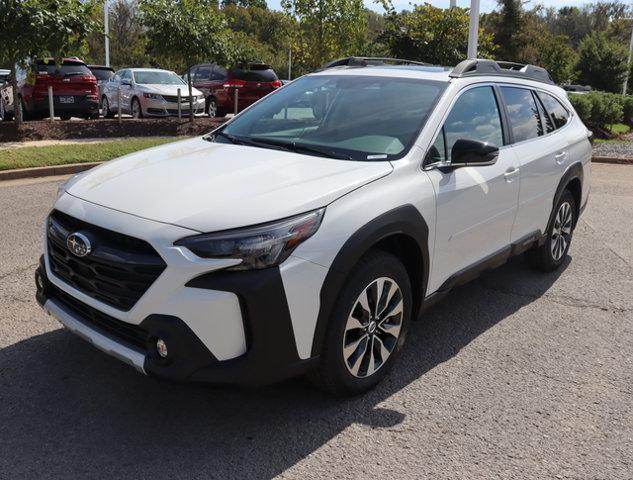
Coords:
516,375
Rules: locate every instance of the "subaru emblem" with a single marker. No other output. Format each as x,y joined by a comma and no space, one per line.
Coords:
78,244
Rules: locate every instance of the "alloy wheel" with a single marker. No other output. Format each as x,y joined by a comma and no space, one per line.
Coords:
561,232
136,109
373,327
212,109
105,107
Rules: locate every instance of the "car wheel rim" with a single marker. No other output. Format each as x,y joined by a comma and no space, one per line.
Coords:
212,109
136,110
561,232
373,327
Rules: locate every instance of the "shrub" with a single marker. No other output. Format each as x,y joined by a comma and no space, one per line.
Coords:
602,62
583,106
599,109
627,104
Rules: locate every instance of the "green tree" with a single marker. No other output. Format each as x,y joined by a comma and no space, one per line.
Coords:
327,29
181,33
433,35
602,63
39,28
555,53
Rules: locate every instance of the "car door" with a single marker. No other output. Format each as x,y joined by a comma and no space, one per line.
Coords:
475,205
127,91
542,154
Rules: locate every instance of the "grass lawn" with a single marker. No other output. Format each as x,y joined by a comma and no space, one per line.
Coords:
24,157
619,128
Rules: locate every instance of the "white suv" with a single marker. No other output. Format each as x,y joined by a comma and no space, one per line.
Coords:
306,234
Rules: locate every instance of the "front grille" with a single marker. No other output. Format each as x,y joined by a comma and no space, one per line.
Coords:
127,332
174,98
117,272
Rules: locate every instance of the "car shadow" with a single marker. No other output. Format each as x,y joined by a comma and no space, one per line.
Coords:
69,410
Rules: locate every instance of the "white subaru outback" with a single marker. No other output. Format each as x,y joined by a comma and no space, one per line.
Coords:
304,235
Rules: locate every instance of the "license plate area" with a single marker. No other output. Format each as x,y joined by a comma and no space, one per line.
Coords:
66,99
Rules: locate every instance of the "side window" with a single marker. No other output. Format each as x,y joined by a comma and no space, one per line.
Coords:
559,114
203,74
116,77
545,118
219,73
523,115
126,75
475,116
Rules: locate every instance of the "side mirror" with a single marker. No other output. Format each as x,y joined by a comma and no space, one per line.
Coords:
472,153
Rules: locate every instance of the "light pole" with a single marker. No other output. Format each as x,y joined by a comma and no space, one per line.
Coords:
628,71
453,3
473,29
106,33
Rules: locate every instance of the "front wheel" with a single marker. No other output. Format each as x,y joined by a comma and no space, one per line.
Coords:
551,255
368,326
136,109
105,108
212,108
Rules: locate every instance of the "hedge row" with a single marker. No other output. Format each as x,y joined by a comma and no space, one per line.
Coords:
599,109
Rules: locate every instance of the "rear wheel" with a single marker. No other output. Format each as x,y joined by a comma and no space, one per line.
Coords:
551,255
368,326
105,108
212,108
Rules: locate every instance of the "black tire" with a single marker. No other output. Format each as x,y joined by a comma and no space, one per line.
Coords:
218,111
139,112
105,108
334,372
551,255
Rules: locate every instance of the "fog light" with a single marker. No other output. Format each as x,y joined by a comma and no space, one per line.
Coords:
39,283
161,347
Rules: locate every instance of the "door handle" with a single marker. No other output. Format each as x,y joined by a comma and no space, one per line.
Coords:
560,157
511,173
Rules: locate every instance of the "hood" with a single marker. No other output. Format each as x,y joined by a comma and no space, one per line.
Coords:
207,186
168,89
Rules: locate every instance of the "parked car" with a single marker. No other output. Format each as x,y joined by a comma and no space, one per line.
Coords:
148,92
253,81
304,236
4,75
102,74
74,90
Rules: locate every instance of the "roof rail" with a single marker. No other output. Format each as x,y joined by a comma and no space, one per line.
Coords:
367,61
476,67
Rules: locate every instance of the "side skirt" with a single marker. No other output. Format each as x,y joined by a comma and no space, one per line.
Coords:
472,272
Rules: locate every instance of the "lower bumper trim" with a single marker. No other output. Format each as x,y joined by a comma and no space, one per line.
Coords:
102,342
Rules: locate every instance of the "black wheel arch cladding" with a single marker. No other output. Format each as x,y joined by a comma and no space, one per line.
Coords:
402,221
573,174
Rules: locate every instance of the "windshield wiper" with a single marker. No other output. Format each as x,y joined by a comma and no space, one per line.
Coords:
245,141
303,147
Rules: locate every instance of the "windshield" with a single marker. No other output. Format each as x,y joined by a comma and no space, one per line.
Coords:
158,78
352,117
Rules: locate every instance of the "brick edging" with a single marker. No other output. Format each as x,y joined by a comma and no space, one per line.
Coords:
50,171
617,160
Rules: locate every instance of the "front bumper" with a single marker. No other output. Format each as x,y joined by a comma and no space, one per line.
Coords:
162,108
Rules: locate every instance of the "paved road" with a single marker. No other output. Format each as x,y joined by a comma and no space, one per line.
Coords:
517,375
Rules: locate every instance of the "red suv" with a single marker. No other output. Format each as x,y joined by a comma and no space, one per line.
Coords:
252,80
75,90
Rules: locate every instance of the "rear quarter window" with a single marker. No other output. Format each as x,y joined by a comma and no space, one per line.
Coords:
560,115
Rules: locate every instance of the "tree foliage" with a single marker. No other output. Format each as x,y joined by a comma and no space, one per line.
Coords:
326,29
602,62
41,28
433,35
181,33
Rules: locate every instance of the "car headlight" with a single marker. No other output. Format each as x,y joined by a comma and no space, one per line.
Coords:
153,96
260,246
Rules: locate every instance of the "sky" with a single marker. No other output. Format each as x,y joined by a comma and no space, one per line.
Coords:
486,5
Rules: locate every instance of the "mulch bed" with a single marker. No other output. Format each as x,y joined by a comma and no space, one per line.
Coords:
105,128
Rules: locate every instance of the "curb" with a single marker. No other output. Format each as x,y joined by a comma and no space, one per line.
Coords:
46,171
615,160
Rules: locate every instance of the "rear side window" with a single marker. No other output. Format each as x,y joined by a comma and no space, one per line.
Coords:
523,114
102,73
545,118
203,74
559,114
255,73
475,116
